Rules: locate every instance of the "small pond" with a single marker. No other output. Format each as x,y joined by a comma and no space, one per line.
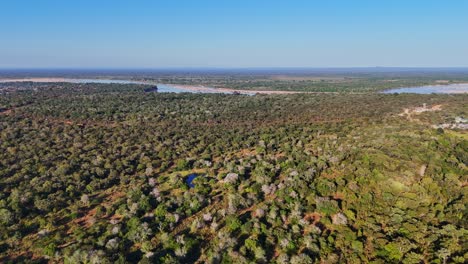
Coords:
190,179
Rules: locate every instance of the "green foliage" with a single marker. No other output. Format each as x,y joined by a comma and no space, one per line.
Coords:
50,250
95,173
182,164
233,223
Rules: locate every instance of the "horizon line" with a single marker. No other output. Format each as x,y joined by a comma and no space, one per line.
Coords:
232,68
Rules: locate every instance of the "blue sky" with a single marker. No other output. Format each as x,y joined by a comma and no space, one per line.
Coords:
233,33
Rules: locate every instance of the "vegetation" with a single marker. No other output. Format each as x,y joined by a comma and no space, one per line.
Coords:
96,173
334,81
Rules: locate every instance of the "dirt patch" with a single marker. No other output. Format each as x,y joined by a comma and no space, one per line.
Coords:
6,112
246,153
410,112
436,108
315,217
332,174
87,220
113,196
90,217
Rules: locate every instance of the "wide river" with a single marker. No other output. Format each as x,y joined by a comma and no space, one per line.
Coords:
165,88
458,88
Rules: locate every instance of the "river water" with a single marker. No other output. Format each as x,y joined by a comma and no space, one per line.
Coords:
168,88
165,88
430,89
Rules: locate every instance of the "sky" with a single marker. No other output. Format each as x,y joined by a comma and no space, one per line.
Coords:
233,33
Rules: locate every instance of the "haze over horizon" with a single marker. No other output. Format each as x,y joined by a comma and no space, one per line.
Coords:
241,34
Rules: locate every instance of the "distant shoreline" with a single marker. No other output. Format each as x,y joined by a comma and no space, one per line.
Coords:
198,88
37,79
191,88
446,89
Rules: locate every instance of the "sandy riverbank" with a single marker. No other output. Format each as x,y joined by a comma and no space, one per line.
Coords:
456,91
203,89
189,88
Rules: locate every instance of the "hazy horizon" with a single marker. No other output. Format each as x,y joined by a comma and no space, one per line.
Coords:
244,34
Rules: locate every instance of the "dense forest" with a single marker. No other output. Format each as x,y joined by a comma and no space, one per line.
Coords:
100,173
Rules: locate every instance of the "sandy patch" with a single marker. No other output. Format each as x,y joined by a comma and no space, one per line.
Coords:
6,112
203,89
417,110
454,91
191,88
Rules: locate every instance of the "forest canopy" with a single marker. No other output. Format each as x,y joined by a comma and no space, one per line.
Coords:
99,173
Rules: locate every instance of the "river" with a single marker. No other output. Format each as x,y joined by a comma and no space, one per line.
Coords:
165,88
458,88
